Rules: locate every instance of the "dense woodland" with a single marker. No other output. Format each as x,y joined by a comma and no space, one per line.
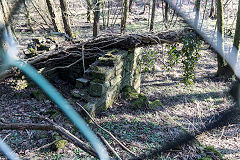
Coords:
188,104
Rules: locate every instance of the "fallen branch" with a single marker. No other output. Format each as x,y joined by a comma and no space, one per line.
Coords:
54,127
109,146
109,133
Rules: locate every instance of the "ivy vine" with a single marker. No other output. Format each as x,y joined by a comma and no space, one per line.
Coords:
188,55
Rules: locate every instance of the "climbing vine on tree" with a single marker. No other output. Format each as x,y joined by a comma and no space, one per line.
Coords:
187,54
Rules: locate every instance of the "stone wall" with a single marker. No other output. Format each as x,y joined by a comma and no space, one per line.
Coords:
104,79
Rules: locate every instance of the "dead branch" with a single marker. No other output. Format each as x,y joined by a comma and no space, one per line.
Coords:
65,56
108,132
54,127
109,146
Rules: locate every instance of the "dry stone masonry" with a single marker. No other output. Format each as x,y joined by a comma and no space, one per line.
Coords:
104,79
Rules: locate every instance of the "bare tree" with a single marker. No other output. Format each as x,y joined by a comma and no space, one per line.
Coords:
89,9
153,15
124,16
54,17
197,9
130,5
223,67
236,41
96,13
65,18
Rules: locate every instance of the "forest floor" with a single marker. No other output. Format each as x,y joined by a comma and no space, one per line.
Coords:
183,108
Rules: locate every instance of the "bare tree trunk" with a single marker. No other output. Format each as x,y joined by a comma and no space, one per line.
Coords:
54,17
65,17
108,13
28,17
103,6
223,68
124,16
5,13
89,8
96,12
166,12
197,9
153,15
236,42
212,10
130,5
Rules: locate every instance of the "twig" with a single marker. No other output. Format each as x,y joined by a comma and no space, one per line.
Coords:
109,146
46,145
124,147
52,126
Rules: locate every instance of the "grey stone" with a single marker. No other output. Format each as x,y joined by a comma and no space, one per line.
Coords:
81,82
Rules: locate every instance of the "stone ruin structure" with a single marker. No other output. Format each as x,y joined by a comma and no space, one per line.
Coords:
103,80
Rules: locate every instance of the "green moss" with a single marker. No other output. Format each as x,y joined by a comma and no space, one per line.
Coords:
128,92
60,144
137,100
214,151
154,104
140,102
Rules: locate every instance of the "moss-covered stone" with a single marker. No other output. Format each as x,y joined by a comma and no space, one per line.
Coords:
80,94
128,92
139,102
81,82
96,89
91,108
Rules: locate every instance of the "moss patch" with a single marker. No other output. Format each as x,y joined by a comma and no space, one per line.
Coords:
137,100
60,144
214,151
154,104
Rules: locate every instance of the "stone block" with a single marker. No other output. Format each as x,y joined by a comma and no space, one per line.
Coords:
119,66
81,82
116,80
119,72
96,89
91,108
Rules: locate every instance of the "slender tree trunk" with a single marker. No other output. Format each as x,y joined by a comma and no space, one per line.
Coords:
212,10
130,5
144,7
89,8
103,5
223,68
236,41
65,18
166,12
5,13
153,15
124,16
96,12
28,17
197,9
54,17
108,13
